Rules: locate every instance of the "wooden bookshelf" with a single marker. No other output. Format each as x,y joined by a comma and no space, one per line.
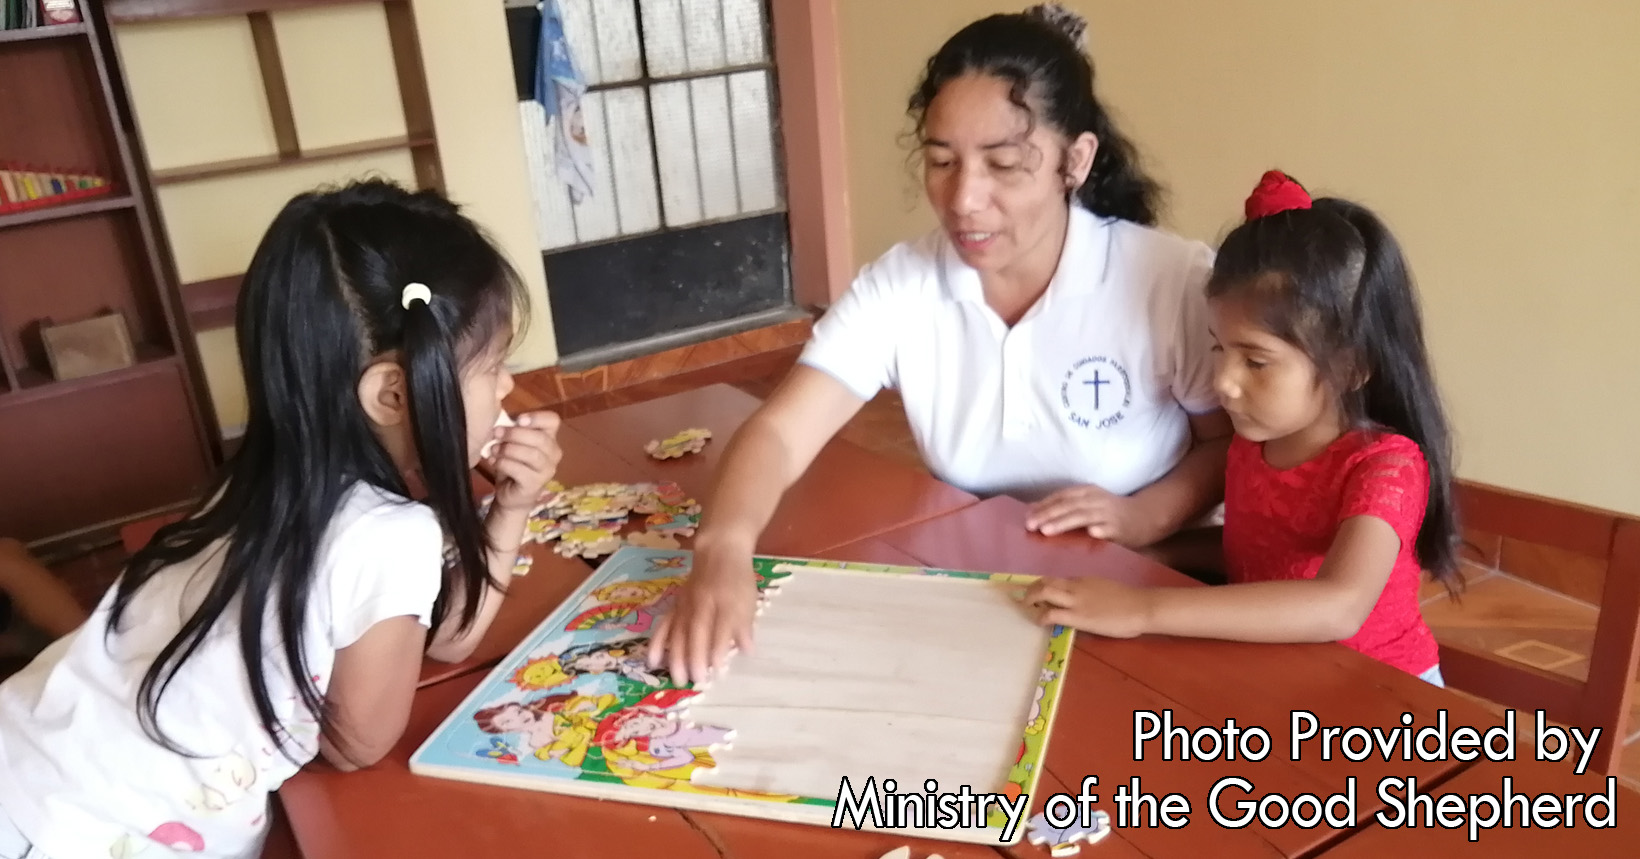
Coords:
83,455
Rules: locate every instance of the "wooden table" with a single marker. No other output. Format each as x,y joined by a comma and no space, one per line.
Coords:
847,494
865,509
1202,683
609,447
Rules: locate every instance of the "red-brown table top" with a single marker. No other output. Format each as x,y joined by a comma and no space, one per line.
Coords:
856,506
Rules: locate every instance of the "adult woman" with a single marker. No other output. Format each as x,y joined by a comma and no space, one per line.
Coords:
1048,343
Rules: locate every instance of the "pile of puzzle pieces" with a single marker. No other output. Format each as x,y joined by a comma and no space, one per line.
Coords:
589,520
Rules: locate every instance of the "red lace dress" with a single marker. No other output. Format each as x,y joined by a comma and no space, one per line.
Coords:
1278,524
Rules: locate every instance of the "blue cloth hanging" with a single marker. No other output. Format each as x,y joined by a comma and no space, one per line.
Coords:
559,87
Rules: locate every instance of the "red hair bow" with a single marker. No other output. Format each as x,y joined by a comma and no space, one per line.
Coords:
1276,192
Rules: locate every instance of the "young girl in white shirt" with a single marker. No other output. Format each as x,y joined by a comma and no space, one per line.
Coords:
286,618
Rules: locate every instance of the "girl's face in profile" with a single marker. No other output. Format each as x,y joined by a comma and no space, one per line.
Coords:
485,382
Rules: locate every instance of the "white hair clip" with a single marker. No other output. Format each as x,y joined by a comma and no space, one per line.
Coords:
414,291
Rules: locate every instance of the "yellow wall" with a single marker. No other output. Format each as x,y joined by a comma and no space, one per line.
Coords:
198,98
1501,141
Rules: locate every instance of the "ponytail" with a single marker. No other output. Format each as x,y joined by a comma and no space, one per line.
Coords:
1400,391
439,426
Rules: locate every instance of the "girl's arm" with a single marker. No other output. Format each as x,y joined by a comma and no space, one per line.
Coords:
371,685
714,606
39,596
1196,484
1330,607
525,457
450,643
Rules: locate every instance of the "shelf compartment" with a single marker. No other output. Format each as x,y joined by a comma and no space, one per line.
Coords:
123,443
69,269
51,113
35,384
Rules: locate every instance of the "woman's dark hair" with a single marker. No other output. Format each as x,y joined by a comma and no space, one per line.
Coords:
320,302
1331,280
1039,54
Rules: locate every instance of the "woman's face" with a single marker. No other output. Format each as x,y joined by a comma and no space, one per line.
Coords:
995,178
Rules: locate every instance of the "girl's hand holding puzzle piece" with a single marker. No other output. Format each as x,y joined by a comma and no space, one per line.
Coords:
522,457
522,454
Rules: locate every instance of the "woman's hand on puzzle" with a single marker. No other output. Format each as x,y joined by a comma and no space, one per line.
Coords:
525,457
1095,605
710,617
1104,515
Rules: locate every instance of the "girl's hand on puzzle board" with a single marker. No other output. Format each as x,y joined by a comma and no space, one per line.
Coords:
1099,606
1106,516
710,616
524,459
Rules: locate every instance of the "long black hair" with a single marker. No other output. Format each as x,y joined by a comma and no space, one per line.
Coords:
1331,280
1039,53
320,302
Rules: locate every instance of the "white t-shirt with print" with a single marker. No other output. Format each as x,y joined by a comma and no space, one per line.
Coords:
1094,385
79,777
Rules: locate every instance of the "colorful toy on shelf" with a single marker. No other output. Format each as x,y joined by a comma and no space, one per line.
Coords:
28,186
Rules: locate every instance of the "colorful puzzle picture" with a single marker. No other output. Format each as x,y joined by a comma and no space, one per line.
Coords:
866,685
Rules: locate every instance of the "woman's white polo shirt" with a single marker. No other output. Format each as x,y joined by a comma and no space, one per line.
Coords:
1094,385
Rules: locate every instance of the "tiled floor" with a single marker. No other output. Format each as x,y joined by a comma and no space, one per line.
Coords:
1497,612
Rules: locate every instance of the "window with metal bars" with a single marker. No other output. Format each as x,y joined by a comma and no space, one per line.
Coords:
685,224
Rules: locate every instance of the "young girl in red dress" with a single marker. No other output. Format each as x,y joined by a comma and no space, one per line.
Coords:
1338,492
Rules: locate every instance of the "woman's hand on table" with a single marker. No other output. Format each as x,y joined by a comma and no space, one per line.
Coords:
1099,606
1118,518
710,617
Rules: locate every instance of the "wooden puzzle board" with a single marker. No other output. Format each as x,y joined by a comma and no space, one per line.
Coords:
902,677
858,671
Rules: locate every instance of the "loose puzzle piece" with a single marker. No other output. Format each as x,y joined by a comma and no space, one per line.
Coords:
598,508
683,524
588,542
652,540
501,420
686,442
1066,841
521,567
653,498
543,529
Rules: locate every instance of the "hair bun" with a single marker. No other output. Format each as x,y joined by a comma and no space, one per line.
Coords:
1055,15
